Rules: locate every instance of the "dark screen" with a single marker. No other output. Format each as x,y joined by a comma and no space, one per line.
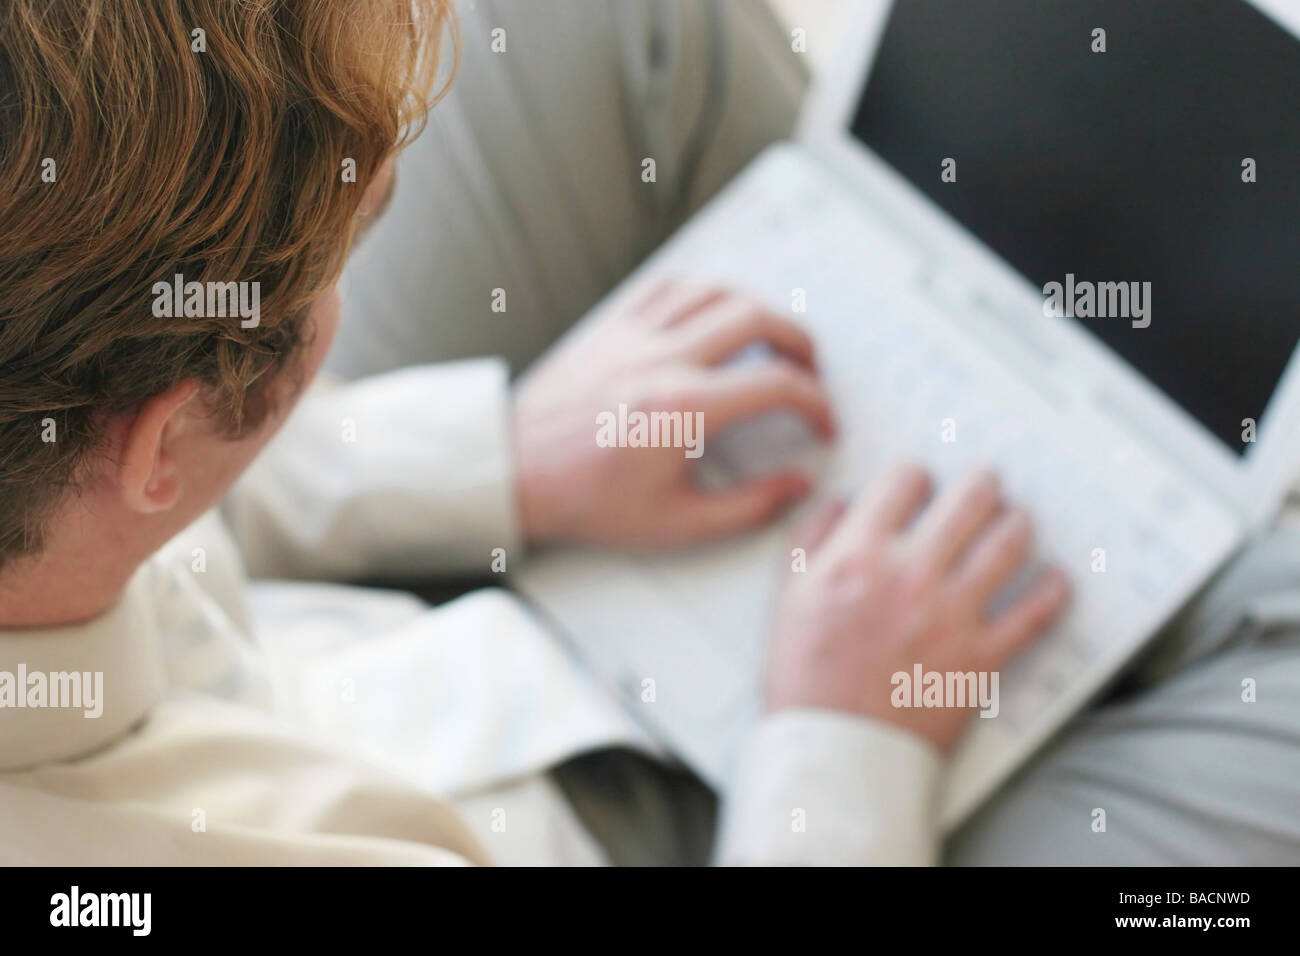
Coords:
1117,166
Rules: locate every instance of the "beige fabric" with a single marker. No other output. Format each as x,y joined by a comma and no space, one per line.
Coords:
324,723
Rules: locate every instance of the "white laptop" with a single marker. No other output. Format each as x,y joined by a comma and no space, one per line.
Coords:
1149,444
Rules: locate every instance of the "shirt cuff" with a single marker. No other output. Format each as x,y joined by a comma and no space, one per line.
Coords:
826,788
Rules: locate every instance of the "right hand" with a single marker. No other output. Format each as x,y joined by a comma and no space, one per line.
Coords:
883,592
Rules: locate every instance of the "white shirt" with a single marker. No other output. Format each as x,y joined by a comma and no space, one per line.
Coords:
283,722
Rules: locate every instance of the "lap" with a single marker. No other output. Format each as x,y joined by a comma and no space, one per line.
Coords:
528,178
1185,769
642,812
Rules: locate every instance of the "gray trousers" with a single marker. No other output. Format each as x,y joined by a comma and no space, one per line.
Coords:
529,180
529,177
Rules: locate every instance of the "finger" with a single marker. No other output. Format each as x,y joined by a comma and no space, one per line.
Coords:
1029,617
889,505
677,300
723,328
811,533
994,558
730,395
951,523
750,504
643,297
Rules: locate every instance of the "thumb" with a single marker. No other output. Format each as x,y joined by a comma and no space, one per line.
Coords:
749,504
810,534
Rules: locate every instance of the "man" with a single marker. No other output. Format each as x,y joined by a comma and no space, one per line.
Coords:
210,146
537,157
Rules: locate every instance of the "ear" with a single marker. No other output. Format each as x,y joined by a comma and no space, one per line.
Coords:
147,471
378,194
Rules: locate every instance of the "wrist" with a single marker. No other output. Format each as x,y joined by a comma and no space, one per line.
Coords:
530,501
537,502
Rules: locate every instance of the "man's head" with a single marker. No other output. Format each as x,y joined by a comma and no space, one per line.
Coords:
227,142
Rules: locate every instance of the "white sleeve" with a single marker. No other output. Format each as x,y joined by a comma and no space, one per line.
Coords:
405,473
822,788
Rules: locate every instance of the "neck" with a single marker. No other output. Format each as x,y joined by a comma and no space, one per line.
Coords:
62,586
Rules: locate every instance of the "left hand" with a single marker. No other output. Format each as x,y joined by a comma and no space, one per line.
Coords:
658,350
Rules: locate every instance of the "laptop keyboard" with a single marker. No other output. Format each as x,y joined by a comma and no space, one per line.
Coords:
904,393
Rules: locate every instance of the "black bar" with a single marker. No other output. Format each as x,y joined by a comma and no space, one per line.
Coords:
334,906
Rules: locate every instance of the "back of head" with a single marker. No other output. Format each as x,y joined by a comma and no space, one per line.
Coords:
140,139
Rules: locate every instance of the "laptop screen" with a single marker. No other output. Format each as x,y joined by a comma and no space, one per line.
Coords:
1157,183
